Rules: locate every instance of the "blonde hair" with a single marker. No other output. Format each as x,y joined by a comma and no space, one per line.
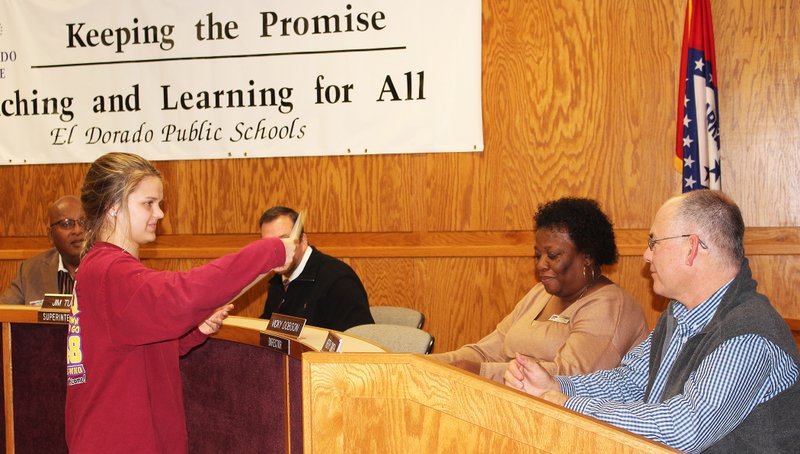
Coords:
109,181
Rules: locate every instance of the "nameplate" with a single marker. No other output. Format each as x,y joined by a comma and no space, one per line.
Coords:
56,301
273,342
559,319
54,316
332,343
55,308
285,324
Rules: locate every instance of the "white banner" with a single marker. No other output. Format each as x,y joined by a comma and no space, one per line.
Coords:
241,78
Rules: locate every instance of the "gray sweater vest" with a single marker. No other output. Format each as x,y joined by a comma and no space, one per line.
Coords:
771,427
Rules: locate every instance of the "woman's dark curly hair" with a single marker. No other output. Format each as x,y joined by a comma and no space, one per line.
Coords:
585,223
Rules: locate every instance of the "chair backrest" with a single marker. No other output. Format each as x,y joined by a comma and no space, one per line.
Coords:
396,338
396,315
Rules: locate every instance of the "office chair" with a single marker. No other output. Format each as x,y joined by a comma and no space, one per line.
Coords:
396,315
395,338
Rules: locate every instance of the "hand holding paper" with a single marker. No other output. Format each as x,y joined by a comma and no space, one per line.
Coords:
297,230
291,243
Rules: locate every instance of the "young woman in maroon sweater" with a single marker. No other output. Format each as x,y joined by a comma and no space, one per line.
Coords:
129,324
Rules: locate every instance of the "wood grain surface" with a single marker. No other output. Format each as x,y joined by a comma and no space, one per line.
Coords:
355,403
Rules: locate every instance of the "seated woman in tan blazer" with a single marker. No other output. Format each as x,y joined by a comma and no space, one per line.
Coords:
575,320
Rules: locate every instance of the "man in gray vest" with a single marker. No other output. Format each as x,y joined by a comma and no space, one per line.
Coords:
719,373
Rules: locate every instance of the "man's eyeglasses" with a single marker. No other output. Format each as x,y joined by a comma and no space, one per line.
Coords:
651,242
69,224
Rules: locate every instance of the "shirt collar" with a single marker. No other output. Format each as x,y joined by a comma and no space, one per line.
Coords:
300,266
697,318
61,266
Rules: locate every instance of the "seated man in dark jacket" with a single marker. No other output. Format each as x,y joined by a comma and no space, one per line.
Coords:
320,288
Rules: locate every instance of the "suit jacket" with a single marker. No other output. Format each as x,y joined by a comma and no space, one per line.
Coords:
328,294
35,277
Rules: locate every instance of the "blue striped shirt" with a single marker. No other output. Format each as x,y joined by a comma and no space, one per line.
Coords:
740,374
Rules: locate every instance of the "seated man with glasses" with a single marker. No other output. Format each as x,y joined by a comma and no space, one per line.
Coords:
52,271
719,373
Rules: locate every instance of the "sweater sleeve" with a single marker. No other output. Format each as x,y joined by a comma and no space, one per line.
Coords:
148,306
490,348
190,340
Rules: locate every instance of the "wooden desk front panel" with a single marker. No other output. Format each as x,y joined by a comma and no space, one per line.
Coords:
362,403
236,399
237,396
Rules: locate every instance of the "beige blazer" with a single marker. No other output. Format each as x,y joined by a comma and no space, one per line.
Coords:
35,277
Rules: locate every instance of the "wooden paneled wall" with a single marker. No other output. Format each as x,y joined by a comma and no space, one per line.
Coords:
579,98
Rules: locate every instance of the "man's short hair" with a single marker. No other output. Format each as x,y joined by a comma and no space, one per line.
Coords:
719,220
276,212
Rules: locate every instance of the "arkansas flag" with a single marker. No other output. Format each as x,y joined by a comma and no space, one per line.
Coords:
697,149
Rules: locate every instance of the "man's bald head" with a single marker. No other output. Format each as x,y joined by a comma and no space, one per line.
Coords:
66,229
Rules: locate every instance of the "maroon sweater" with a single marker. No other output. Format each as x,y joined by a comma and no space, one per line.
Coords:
128,326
